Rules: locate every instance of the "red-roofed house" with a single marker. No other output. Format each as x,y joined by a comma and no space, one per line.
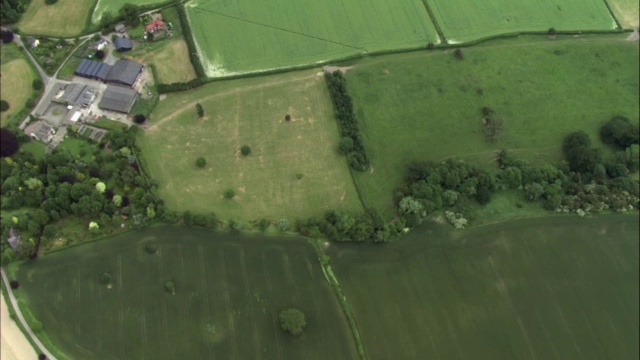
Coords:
155,26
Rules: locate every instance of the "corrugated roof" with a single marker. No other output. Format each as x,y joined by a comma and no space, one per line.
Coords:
124,72
122,44
80,70
118,98
103,72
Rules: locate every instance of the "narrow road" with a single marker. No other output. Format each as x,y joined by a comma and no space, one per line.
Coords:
14,303
43,75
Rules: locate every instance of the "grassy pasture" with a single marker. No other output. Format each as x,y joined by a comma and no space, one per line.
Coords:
229,290
463,21
65,18
245,36
251,112
426,105
16,80
626,11
549,288
170,58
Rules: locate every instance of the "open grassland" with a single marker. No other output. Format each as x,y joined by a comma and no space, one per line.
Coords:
427,105
113,6
626,11
16,80
251,112
245,36
64,18
171,61
469,20
228,292
549,288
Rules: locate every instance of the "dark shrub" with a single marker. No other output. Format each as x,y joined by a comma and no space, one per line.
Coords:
457,53
8,143
4,105
14,284
139,119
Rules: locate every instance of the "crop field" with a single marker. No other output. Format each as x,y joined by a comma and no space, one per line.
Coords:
549,288
411,106
113,6
245,36
626,11
64,18
251,112
463,21
16,80
228,292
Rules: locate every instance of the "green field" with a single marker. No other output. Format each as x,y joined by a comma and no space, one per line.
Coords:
549,288
427,105
64,18
113,6
626,11
229,290
16,80
468,20
251,112
245,36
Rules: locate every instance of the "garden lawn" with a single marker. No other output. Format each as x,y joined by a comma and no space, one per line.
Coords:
65,18
16,81
170,58
548,288
247,36
228,293
250,112
468,20
427,105
626,11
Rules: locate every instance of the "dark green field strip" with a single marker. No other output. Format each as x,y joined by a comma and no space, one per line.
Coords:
228,294
561,288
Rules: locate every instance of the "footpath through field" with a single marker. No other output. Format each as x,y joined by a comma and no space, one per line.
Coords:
15,345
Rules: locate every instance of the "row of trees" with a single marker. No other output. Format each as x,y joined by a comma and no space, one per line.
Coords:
351,142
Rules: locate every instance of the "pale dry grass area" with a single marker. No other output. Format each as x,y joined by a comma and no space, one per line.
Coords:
65,18
171,61
15,83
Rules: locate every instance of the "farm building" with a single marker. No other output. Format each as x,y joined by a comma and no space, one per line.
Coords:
118,98
77,94
93,69
101,44
122,44
124,72
43,133
155,26
120,28
32,42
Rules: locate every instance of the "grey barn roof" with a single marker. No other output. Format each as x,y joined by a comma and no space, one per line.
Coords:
118,98
122,44
124,72
78,94
93,69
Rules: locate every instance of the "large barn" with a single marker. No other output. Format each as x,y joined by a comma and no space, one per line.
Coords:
124,72
118,98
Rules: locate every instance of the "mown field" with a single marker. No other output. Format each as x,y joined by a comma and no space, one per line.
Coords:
113,6
229,290
626,11
65,18
245,36
427,105
250,112
550,288
16,80
469,20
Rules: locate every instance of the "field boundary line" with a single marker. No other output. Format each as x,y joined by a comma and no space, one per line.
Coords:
613,15
247,290
232,328
206,292
432,17
16,308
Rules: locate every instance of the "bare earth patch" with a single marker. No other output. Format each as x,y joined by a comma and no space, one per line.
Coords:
15,345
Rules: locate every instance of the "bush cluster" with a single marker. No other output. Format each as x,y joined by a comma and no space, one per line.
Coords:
356,155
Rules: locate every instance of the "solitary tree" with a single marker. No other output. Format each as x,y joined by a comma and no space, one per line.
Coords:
139,119
201,162
4,105
14,284
8,143
199,110
457,53
7,36
245,150
293,321
229,193
552,32
37,84
50,2
100,54
287,117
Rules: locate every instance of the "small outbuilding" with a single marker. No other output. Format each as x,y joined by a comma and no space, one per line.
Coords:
14,239
118,98
121,28
32,42
122,44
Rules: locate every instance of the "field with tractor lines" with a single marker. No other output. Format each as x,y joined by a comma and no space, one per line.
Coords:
468,20
547,288
245,36
229,290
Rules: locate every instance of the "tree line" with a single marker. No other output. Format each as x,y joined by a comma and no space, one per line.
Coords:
351,142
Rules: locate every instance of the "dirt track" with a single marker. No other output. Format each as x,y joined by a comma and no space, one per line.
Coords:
15,345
